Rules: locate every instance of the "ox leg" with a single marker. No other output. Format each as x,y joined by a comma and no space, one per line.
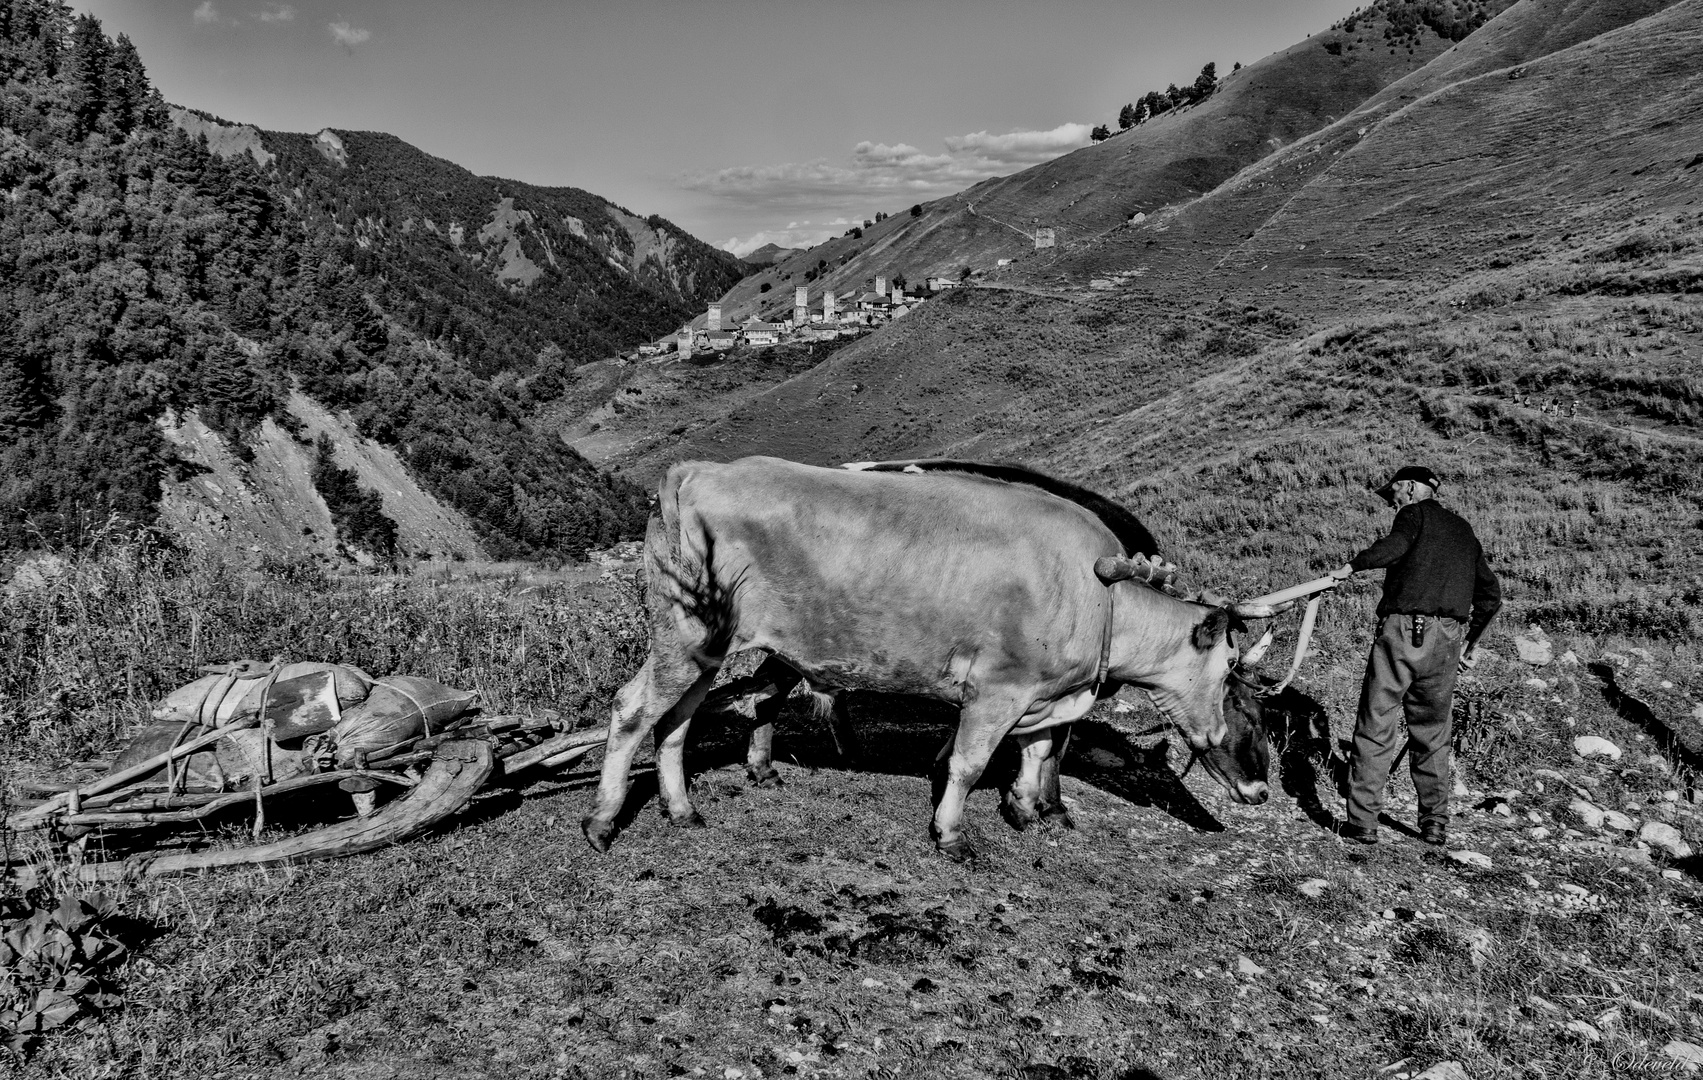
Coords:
1053,810
663,687
981,726
845,737
775,681
1021,805
671,756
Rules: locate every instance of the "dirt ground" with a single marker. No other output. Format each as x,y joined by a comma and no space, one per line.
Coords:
811,930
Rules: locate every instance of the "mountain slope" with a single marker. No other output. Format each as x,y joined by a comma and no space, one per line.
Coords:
1244,368
502,269
1165,161
159,264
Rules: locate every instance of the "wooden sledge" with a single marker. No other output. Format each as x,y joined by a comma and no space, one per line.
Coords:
458,769
456,766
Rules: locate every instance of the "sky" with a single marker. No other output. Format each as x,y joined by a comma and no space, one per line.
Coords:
745,122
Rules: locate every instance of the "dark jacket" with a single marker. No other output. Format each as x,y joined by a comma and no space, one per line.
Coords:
1436,567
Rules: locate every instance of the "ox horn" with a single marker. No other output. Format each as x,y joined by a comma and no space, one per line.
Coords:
1257,653
1253,609
1111,568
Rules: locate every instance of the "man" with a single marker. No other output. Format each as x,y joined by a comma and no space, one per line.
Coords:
1437,579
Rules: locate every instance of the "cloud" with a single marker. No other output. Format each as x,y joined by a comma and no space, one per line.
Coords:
206,13
797,234
349,36
1021,147
880,171
277,13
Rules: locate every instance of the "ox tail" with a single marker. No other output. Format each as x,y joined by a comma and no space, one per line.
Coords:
683,579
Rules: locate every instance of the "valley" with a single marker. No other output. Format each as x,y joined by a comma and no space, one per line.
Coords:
1468,235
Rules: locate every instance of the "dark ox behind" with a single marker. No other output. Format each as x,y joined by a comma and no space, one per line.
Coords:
975,591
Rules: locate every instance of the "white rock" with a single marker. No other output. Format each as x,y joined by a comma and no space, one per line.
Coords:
1697,711
1480,945
1618,821
1672,875
1444,1070
1587,813
1570,658
1584,1031
1536,683
1471,858
1534,650
1244,966
1689,1055
1539,833
1659,834
1313,888
1589,746
1577,890
1614,819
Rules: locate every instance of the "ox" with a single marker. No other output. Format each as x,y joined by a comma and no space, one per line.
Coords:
1016,604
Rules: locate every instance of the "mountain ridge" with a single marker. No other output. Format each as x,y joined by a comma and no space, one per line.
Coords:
160,266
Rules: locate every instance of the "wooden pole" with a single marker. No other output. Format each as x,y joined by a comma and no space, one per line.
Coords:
36,816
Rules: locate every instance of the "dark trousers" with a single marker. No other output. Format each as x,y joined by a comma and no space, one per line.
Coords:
1418,682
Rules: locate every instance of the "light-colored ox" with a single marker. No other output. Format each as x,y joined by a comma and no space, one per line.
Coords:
1016,604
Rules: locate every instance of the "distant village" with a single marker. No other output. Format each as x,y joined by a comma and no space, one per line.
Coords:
838,316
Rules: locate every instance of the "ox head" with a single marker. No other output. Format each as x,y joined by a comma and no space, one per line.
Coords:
1242,762
1183,653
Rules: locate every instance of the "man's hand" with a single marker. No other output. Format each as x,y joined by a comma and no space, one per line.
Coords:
1470,657
1343,572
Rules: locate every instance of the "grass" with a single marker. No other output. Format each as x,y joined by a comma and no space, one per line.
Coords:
810,930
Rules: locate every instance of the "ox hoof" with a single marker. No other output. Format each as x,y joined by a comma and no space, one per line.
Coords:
957,850
768,778
693,820
1016,815
1057,816
598,833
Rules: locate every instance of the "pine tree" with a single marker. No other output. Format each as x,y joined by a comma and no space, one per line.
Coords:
85,73
132,102
1205,83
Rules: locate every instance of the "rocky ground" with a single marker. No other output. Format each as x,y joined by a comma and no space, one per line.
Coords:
812,931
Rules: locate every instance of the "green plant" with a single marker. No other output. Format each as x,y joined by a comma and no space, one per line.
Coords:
55,968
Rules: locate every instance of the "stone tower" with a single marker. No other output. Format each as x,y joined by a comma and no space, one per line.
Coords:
1043,238
684,344
715,317
801,305
880,286
827,307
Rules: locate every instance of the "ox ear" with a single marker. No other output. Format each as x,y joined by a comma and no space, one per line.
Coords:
1211,629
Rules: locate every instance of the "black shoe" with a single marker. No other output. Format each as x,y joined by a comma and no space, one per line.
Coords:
1434,833
1357,834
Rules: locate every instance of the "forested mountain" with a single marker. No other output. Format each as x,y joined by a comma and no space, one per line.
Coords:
143,276
497,270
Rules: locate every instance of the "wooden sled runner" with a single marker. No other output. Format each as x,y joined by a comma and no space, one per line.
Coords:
440,775
458,769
